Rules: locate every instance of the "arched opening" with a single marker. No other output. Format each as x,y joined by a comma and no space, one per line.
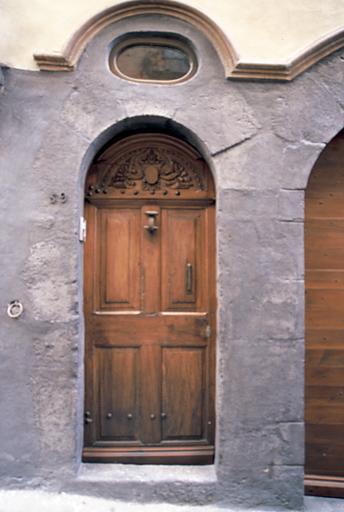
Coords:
150,303
324,323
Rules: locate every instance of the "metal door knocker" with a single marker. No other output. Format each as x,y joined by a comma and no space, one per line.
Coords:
15,309
151,227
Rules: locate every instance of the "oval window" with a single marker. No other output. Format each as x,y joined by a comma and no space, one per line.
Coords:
149,59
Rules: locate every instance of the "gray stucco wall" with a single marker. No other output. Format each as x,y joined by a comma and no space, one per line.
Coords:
261,141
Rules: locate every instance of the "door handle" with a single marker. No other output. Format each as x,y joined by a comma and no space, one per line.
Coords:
151,227
188,278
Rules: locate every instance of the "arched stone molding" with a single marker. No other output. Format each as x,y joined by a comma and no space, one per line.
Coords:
337,129
233,66
319,148
67,60
141,123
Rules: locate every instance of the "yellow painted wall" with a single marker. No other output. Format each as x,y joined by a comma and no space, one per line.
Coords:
262,31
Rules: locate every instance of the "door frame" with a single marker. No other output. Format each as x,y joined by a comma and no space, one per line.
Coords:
177,455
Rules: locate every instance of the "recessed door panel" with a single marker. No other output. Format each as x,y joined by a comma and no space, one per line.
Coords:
183,392
184,273
119,259
118,379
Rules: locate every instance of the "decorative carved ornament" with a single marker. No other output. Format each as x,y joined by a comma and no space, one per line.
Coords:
146,169
149,169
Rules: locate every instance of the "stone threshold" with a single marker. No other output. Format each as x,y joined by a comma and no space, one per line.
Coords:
146,473
146,483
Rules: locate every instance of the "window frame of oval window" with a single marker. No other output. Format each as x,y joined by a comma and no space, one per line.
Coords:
153,39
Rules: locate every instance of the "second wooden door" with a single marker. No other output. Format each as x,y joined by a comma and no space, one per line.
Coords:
324,278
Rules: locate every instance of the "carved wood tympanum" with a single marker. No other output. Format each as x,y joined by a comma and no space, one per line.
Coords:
149,165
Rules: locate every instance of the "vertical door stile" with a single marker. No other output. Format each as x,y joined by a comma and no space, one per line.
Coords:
210,250
89,279
150,351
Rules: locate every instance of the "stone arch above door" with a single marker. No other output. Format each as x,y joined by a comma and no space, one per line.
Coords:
150,306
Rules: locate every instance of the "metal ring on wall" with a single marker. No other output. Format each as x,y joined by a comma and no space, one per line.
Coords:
15,309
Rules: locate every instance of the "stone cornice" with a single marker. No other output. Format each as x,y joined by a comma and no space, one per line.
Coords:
300,63
233,67
71,54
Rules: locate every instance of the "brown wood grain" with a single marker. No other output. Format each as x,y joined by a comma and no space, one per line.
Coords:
119,259
118,369
183,405
150,325
324,322
182,245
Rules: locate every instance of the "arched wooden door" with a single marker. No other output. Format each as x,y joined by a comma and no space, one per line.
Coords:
324,280
150,306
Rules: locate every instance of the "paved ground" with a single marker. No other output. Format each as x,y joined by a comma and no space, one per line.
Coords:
39,501
323,505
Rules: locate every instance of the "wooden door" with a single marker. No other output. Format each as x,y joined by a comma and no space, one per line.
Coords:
324,279
150,304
